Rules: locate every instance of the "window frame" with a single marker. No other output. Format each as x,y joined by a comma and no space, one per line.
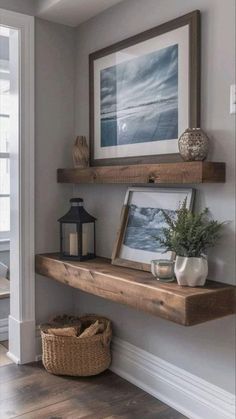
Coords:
22,246
4,235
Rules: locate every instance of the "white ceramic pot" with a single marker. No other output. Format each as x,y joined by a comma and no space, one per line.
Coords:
191,272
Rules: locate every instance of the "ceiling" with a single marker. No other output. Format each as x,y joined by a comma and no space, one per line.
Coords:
72,12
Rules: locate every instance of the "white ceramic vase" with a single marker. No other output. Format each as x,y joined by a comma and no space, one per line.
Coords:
191,272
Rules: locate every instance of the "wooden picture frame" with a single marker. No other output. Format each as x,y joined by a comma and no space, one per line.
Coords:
99,58
169,199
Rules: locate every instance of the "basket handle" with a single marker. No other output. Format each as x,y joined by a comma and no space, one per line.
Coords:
106,338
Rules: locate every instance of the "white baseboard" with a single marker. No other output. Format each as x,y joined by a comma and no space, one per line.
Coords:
21,340
13,358
185,392
3,329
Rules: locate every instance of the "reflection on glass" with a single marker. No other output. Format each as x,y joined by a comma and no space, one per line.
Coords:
4,176
4,213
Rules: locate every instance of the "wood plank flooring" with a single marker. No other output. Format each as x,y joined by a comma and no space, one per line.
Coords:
4,360
4,288
29,392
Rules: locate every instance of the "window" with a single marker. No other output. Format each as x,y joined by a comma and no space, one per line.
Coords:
4,135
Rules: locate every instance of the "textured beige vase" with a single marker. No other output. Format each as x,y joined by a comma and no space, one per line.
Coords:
80,152
191,272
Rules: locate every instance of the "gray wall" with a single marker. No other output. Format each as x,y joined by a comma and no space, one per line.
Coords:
20,6
206,350
55,77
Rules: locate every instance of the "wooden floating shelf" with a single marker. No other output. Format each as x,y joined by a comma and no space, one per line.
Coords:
162,173
138,289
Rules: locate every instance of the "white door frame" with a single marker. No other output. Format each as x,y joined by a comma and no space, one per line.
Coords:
22,281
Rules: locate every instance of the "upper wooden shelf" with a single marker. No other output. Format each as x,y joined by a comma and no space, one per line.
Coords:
138,289
162,173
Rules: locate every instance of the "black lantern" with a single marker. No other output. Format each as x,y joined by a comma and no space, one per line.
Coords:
77,233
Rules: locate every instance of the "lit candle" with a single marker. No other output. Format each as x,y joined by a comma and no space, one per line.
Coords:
73,244
163,269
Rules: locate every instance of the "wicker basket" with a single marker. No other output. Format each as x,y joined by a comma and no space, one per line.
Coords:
69,355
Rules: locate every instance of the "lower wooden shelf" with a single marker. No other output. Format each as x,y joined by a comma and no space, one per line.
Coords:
138,289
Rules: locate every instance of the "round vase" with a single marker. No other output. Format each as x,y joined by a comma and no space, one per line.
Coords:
193,144
191,272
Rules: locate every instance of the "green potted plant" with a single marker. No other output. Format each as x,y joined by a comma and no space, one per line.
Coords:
189,236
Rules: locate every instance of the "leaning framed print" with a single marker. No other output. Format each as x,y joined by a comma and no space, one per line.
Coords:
142,222
144,92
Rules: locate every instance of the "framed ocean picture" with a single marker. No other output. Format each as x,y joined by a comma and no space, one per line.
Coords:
142,222
144,92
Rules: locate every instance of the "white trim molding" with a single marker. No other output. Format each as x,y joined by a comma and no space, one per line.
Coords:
22,284
3,329
185,392
21,332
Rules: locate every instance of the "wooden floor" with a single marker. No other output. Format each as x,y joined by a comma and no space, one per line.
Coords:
4,288
29,392
4,360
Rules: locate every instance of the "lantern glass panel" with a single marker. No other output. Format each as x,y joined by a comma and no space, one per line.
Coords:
70,239
88,239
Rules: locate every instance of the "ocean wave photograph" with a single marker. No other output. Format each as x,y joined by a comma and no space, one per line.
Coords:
145,228
139,99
